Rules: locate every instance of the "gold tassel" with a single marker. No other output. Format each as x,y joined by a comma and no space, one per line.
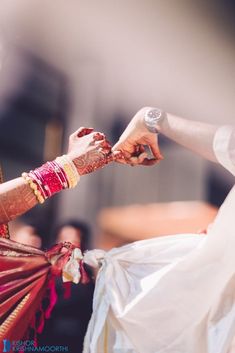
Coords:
4,228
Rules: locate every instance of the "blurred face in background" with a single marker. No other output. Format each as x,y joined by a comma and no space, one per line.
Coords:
27,235
71,234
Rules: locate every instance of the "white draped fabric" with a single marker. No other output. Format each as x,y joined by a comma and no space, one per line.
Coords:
173,294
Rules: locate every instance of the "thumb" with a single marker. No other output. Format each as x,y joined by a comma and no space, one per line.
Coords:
115,155
117,146
153,144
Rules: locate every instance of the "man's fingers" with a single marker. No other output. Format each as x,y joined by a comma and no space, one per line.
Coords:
142,160
127,149
117,146
155,149
115,156
121,160
156,152
137,160
142,157
125,156
149,162
118,155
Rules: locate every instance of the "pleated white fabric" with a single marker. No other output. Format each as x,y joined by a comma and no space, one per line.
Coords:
173,294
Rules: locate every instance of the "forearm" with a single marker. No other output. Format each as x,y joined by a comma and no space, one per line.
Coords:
88,151
21,194
196,136
16,198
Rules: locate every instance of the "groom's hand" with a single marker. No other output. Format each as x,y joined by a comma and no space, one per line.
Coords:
90,150
133,141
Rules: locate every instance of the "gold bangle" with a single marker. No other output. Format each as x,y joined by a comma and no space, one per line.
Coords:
70,170
33,186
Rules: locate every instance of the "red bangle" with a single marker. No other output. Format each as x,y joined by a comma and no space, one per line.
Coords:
60,174
47,178
51,178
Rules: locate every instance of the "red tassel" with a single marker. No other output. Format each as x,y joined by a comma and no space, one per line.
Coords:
54,250
67,289
63,251
84,276
41,323
52,297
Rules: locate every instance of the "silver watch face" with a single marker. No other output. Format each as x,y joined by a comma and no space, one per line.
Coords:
152,117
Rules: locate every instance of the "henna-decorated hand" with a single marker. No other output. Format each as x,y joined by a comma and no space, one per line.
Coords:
90,150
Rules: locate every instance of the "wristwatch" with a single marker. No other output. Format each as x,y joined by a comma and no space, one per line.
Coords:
152,118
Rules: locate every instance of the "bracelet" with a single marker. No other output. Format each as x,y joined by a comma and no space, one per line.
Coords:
34,187
52,177
70,170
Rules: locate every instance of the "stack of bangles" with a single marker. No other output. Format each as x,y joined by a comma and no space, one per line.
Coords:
52,177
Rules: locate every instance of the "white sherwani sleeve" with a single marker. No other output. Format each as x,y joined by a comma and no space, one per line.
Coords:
172,294
224,147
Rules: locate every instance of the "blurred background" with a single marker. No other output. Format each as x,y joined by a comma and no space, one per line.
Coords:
71,63
77,63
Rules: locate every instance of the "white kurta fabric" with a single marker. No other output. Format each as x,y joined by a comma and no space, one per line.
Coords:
173,294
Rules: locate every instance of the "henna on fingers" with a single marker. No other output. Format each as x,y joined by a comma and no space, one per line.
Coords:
83,131
96,159
88,163
88,151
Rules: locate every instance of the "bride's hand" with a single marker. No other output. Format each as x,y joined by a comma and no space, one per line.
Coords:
132,142
90,150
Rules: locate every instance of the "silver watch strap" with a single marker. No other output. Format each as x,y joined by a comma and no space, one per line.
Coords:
152,117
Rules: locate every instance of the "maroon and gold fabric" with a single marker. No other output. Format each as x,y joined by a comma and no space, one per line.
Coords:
4,231
27,276
23,278
26,273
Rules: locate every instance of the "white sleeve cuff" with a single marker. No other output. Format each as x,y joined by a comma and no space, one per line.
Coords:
222,147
